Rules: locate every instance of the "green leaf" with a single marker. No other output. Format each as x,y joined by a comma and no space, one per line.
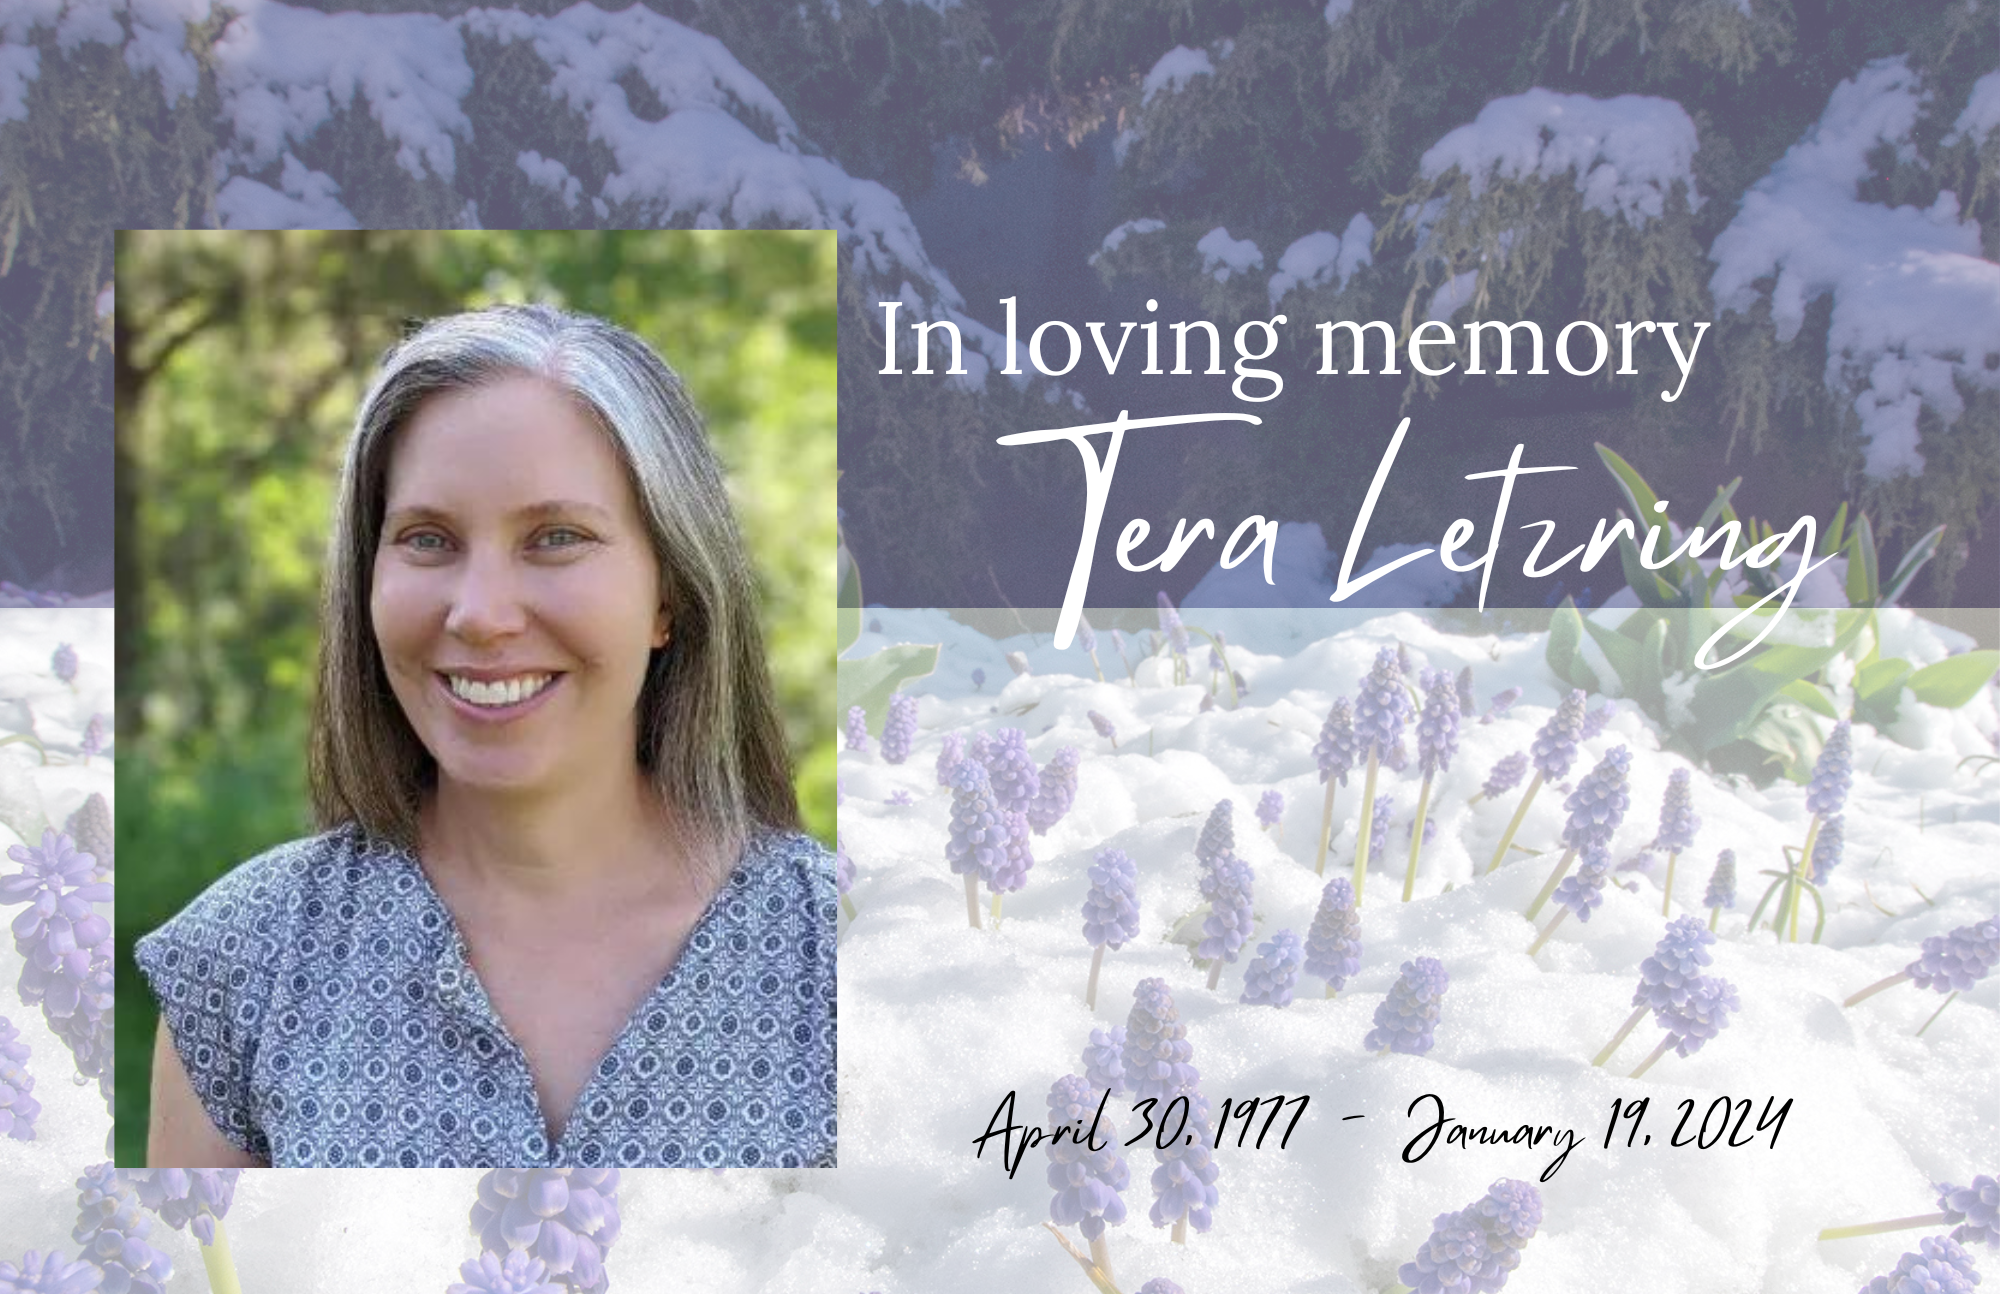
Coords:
1788,733
1720,505
1829,543
1913,561
1563,654
1621,651
1650,588
870,681
1863,588
1955,680
1648,687
1639,496
1811,696
1879,678
1728,703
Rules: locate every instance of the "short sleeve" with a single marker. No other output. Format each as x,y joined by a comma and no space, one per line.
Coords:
211,969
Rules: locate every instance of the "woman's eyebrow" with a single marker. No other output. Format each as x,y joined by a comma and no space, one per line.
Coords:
543,510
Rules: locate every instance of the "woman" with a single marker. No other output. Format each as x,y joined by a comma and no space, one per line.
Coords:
561,912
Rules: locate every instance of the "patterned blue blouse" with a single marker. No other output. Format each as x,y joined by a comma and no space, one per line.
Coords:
323,1005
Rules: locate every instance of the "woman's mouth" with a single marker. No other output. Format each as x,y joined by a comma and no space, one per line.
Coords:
501,697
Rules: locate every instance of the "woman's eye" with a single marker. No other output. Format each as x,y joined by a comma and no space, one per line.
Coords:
424,541
561,537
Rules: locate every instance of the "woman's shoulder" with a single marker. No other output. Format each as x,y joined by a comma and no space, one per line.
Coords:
788,860
265,895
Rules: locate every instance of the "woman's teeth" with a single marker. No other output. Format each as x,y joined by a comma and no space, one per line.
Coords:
506,692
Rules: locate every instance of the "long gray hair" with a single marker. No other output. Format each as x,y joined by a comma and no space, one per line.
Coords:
709,735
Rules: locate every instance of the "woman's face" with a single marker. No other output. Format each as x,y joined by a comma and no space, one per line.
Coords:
516,597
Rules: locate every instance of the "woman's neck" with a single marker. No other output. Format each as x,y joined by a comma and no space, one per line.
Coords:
601,844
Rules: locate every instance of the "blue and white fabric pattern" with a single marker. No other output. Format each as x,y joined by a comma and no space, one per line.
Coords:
322,1002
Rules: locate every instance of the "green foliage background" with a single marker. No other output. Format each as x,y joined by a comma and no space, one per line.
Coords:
241,358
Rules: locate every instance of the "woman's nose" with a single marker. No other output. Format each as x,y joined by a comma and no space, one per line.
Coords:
486,599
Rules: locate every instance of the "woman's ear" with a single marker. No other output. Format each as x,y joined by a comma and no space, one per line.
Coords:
663,629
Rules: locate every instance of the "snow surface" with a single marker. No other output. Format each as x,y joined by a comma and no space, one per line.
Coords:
1916,310
1982,109
1116,238
1324,258
1450,297
940,1020
1626,154
38,1201
1174,70
1224,256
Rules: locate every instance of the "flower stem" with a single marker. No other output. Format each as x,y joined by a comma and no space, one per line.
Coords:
1555,878
1935,1014
1877,1228
1367,825
1215,972
1624,1032
1180,1229
996,909
847,906
1804,862
1417,837
1658,1052
1514,824
1325,829
1547,930
1667,903
221,1270
1866,993
1090,992
1100,1255
972,898
1714,915
1329,988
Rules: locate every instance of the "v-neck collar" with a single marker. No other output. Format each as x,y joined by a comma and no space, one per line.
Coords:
459,988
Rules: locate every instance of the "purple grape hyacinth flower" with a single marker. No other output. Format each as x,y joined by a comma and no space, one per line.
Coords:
90,828
193,1198
18,1109
1381,708
1103,726
1599,802
1157,1056
1218,835
1270,978
1184,1183
1270,808
1086,1181
1336,752
1103,1060
1554,747
1010,873
1502,703
1677,820
857,728
978,831
1466,705
516,1274
1012,769
843,866
1406,1018
1171,626
1594,722
978,680
1437,726
565,1217
1976,1210
949,755
900,728
96,736
1385,805
49,1273
1506,775
1227,926
1111,909
1828,848
1722,882
1704,1014
1939,1267
112,1230
1475,1249
1667,979
1160,1285
1333,945
1085,637
1957,961
1055,790
1833,772
63,663
1583,892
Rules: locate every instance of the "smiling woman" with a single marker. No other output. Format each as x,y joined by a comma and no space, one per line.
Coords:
561,912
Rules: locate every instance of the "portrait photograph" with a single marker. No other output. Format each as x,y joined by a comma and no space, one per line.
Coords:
475,659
